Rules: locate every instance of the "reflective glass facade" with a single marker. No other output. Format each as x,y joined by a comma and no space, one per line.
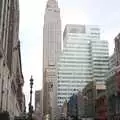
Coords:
84,58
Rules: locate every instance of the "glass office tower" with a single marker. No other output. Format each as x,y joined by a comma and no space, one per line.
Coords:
84,59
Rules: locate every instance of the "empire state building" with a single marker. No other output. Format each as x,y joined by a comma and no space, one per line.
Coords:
51,50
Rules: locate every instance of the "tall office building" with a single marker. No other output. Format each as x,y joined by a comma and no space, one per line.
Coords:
84,59
51,50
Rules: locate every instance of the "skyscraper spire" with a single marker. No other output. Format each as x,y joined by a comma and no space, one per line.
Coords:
52,4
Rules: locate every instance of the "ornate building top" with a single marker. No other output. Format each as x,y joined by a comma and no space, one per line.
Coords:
52,4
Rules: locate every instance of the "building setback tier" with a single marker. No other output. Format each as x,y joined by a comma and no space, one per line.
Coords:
84,59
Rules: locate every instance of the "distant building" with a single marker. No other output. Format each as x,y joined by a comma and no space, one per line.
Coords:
84,59
111,94
51,50
112,61
38,113
91,92
75,106
113,83
38,100
117,53
117,48
64,110
72,107
80,105
37,116
101,106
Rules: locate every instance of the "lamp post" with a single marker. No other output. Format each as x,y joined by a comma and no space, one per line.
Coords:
30,103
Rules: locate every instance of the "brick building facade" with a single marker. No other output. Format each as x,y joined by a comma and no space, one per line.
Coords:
101,106
91,92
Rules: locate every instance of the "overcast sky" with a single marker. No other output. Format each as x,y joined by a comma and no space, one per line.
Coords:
105,13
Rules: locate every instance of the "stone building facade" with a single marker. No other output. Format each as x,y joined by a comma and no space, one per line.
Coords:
38,104
12,98
113,93
101,106
110,85
90,92
72,107
51,50
117,48
64,110
113,82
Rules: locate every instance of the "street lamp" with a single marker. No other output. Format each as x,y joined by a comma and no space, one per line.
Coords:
30,103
